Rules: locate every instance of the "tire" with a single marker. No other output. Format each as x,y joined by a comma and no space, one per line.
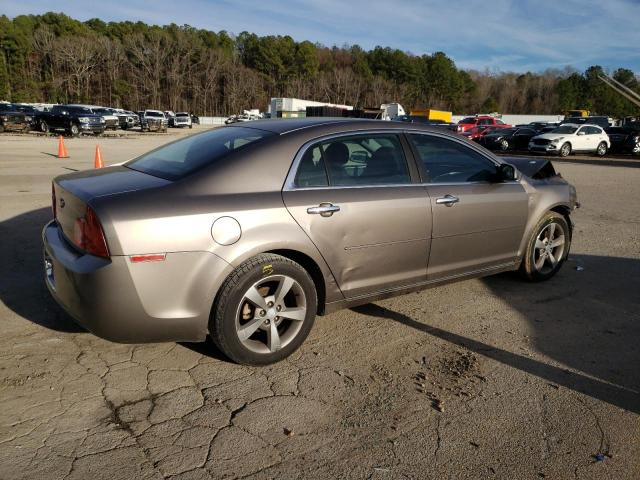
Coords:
233,311
190,126
504,145
74,130
541,260
565,150
1,128
44,127
601,151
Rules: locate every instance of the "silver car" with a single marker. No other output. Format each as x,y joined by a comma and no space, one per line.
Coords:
246,233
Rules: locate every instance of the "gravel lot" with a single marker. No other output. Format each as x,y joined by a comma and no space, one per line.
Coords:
490,378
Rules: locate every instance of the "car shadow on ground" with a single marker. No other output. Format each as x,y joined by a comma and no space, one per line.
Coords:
22,287
586,320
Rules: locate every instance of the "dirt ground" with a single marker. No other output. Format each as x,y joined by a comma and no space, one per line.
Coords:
492,378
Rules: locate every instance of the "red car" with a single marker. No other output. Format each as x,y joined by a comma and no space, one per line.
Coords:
479,120
476,133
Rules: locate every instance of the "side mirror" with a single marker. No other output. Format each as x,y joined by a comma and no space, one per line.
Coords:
506,172
580,133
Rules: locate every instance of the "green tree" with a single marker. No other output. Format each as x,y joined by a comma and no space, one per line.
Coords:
5,86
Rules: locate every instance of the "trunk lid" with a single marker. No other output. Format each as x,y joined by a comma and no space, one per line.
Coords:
72,192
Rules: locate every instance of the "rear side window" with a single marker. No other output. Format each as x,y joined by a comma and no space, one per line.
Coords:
447,161
180,158
359,160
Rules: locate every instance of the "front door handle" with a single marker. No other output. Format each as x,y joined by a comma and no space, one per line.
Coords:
325,209
447,200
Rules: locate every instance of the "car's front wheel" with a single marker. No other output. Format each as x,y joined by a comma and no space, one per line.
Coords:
547,248
264,310
504,145
565,149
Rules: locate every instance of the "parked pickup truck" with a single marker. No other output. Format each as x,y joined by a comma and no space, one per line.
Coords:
153,121
480,121
71,119
11,118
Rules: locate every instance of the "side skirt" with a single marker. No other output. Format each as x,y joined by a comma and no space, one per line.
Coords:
394,292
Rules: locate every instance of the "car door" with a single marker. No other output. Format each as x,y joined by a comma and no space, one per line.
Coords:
478,221
595,137
359,200
582,140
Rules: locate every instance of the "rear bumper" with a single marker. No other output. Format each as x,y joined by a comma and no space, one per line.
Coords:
134,303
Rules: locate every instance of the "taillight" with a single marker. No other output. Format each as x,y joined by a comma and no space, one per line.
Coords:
88,234
53,201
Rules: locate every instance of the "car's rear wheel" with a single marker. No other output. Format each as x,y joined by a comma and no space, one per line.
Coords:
601,151
565,150
44,127
264,310
547,249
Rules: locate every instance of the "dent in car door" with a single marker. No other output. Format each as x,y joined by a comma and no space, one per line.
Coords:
373,237
478,222
483,229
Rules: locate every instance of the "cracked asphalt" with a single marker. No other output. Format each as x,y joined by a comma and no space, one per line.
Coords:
492,378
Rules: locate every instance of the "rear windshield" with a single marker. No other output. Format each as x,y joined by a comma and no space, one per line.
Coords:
178,159
468,120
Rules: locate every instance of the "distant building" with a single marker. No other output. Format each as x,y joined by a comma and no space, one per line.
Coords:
296,107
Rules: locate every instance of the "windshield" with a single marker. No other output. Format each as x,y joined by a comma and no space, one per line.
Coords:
178,159
182,114
565,129
154,114
468,120
86,110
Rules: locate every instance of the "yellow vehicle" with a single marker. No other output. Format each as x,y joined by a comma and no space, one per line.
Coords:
440,115
577,113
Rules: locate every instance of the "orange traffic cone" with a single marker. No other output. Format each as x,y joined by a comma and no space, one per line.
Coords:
62,151
97,163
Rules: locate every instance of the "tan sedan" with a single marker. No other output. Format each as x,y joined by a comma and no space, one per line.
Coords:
246,233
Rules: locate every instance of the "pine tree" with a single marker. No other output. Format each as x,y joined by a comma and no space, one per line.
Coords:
5,86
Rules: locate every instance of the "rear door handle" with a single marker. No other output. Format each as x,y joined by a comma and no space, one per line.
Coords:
325,209
447,200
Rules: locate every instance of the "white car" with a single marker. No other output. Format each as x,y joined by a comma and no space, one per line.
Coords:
571,137
182,119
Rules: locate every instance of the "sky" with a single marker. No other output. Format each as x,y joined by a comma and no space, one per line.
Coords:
495,35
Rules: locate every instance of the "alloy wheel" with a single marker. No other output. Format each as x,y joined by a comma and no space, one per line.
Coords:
549,248
602,149
271,314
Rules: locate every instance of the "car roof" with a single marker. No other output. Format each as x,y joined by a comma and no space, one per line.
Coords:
284,126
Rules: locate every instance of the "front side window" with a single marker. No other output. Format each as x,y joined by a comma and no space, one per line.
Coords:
180,158
358,160
447,161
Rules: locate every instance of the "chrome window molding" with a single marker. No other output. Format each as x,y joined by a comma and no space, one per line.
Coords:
291,176
290,185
